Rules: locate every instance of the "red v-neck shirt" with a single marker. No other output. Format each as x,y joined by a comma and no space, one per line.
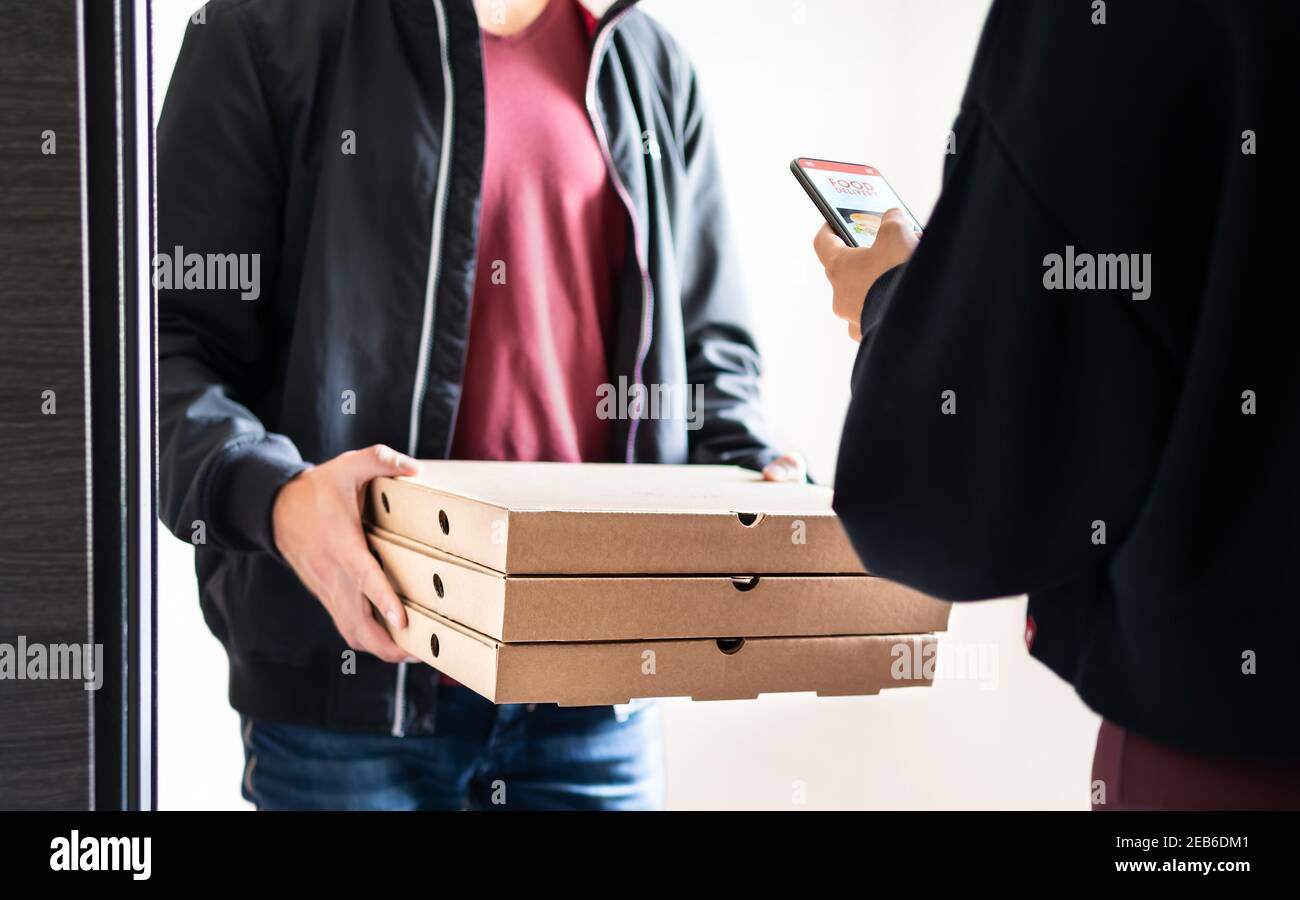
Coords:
551,241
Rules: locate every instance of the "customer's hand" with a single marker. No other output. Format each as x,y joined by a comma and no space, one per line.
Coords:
853,270
788,467
317,522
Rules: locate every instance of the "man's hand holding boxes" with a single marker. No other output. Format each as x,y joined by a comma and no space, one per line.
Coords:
594,584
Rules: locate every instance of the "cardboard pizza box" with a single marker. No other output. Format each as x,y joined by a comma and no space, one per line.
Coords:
614,519
608,608
613,672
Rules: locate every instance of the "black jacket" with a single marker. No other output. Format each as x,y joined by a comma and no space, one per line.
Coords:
1076,407
367,263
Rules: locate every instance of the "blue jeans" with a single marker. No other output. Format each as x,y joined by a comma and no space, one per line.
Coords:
481,757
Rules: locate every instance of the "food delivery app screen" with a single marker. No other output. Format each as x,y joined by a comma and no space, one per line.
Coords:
857,193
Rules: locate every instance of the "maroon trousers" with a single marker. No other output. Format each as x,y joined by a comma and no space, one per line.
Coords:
1139,774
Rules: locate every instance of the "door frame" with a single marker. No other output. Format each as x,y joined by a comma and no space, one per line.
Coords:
118,242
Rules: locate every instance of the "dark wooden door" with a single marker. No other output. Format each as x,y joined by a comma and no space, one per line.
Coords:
45,722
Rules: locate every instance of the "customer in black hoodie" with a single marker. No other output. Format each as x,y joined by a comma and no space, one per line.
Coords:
1127,456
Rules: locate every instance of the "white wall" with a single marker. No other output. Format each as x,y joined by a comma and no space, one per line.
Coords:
875,81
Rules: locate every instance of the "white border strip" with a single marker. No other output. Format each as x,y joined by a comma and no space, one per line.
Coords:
144,400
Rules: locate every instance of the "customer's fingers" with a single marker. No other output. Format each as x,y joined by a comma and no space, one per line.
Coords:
896,221
827,244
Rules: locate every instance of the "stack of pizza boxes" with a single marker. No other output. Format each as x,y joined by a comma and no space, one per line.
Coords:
596,584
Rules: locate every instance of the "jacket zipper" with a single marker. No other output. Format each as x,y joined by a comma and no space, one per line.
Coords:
430,297
435,253
647,295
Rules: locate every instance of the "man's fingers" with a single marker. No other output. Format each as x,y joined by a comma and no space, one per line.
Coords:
375,640
373,584
789,467
827,244
380,459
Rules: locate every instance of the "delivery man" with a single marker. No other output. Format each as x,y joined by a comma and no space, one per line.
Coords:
470,219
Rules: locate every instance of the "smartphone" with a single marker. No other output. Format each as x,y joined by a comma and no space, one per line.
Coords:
853,198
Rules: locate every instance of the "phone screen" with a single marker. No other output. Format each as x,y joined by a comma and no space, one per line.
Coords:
858,195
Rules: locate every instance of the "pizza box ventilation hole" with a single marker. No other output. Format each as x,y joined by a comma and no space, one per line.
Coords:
445,523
